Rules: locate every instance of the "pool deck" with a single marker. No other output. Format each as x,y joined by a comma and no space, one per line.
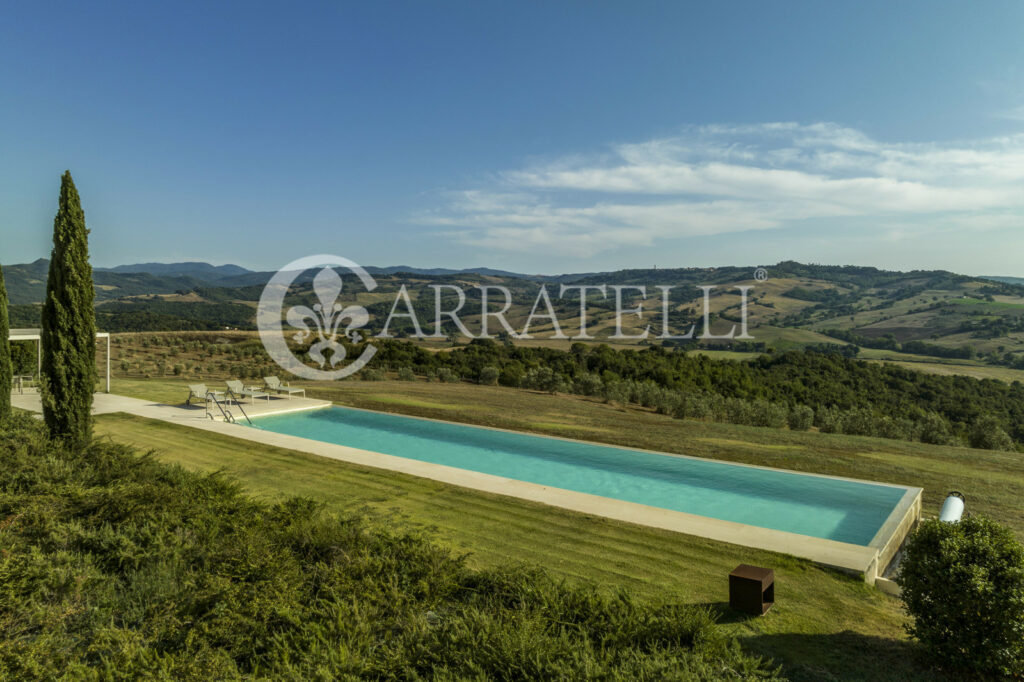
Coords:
867,561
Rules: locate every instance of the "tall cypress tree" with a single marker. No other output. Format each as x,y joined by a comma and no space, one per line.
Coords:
6,371
69,325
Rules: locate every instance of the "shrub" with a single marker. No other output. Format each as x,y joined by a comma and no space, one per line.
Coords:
543,379
828,420
406,374
489,376
934,429
901,429
859,421
587,383
668,402
512,375
447,376
987,433
616,392
800,418
765,413
371,374
647,394
963,583
693,406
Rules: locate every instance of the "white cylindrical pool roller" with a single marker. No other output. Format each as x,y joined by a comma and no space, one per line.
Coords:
953,507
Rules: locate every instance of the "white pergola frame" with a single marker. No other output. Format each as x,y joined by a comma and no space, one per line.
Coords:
36,335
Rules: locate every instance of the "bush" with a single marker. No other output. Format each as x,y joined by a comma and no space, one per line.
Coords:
543,379
987,433
828,420
447,376
800,418
616,392
934,429
859,421
587,383
963,583
512,375
406,374
765,413
489,376
371,374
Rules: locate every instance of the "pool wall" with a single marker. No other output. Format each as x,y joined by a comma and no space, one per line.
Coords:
868,561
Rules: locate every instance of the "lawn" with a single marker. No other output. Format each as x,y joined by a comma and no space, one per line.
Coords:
824,623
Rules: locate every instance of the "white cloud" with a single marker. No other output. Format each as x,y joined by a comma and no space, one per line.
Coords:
720,179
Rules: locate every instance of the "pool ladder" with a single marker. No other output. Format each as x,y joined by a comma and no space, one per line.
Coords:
226,413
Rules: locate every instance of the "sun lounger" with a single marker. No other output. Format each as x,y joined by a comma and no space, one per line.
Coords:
200,392
274,384
237,390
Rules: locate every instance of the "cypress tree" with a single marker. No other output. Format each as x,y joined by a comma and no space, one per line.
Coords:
69,325
6,371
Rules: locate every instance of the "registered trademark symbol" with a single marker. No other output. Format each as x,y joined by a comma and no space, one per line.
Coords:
761,275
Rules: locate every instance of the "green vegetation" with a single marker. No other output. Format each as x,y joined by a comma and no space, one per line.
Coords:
6,365
847,395
824,624
963,583
987,434
69,328
844,395
118,566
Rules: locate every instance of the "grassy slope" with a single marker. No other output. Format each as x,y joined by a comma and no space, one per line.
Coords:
823,621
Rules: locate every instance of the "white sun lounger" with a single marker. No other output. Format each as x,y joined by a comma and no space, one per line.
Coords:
274,384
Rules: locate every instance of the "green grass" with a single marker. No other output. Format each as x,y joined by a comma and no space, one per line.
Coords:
824,621
116,566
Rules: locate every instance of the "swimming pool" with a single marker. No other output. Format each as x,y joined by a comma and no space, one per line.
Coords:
834,509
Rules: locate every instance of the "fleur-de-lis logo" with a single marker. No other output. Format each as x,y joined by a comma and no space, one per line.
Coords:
327,317
322,324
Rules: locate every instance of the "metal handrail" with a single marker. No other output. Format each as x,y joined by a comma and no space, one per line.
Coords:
238,403
228,417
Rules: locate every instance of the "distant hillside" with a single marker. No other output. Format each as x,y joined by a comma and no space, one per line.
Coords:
27,283
1007,280
490,272
915,315
197,270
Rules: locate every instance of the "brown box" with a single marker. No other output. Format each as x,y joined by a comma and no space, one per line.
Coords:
752,589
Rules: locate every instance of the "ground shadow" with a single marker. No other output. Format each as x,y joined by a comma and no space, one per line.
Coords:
723,613
843,656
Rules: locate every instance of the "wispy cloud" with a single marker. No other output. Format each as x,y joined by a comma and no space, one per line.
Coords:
718,179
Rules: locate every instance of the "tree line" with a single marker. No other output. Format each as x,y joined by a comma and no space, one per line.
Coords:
830,390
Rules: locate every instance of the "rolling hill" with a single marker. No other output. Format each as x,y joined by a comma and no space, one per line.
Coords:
918,316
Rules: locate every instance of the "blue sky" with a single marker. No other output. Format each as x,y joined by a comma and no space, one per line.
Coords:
538,137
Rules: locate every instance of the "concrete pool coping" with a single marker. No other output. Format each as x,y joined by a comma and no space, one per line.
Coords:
868,561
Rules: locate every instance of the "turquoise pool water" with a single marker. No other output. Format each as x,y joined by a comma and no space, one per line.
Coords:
847,511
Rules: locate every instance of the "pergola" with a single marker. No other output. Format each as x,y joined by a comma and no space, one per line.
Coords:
35,335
